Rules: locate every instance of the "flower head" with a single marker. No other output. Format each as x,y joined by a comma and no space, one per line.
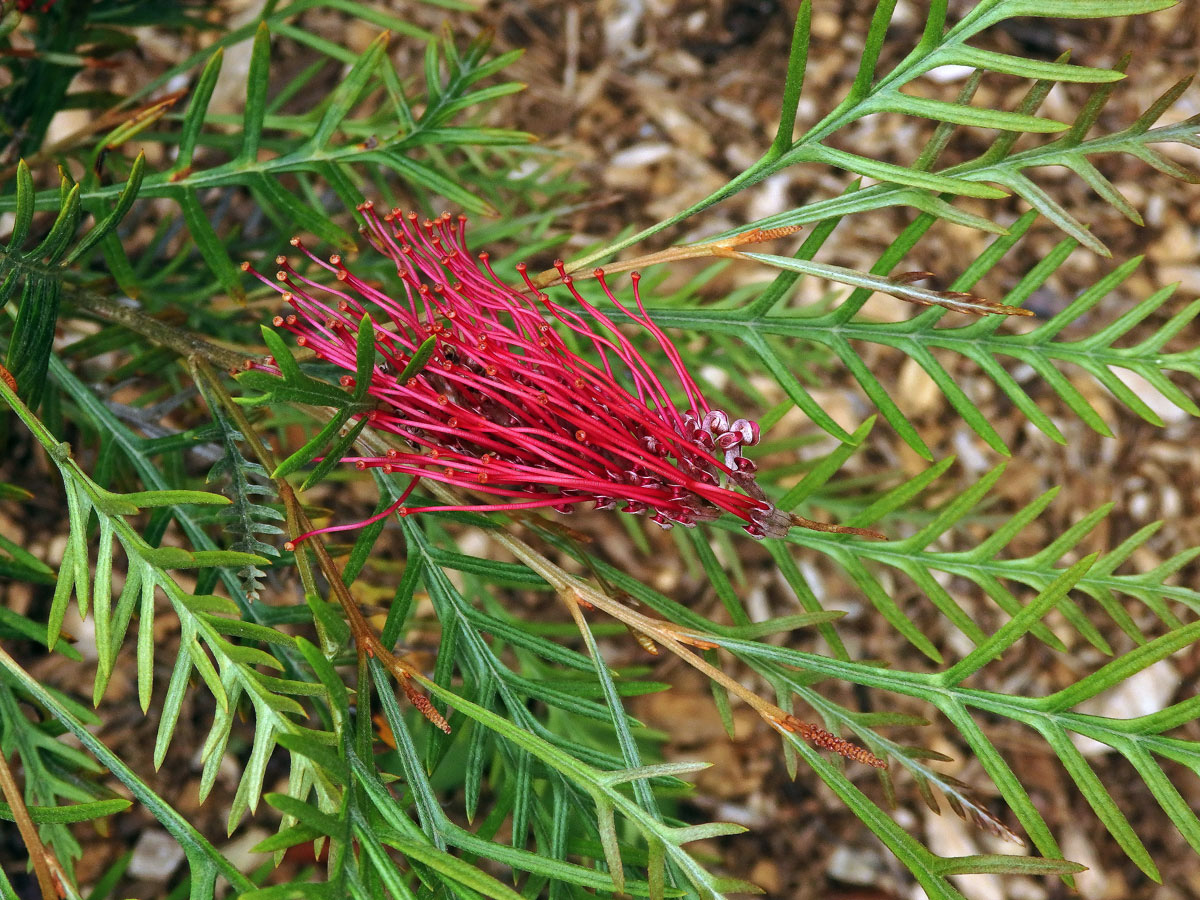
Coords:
504,406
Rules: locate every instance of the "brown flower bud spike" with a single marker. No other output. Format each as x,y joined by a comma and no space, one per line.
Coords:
423,705
826,740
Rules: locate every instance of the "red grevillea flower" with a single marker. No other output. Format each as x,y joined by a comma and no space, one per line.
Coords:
504,407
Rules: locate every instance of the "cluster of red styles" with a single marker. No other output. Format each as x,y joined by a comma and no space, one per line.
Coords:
504,406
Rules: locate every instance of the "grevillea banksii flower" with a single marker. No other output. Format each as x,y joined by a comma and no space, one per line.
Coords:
504,406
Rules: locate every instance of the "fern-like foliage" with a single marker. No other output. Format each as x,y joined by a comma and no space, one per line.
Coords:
920,186
38,271
326,149
247,518
559,785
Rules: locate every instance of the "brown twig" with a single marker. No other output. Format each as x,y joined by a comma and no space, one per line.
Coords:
29,833
723,247
186,343
729,248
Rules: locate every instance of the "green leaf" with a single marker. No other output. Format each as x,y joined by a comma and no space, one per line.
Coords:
257,81
364,357
1079,9
999,864
793,82
334,455
33,336
154,499
313,446
418,360
349,91
55,243
1023,67
281,356
105,227
211,247
432,180
882,171
204,860
23,213
299,214
961,114
76,812
193,119
456,870
304,390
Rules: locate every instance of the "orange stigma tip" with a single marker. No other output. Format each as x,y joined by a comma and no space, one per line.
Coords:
289,546
295,241
281,260
335,260
245,266
277,321
598,272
